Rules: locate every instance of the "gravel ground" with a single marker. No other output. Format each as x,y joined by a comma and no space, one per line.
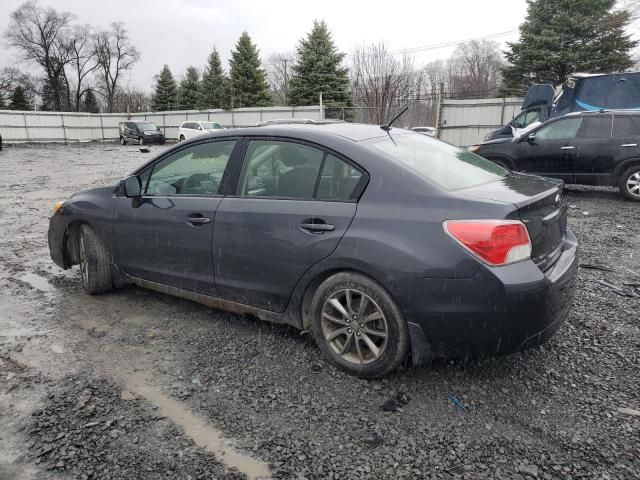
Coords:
135,384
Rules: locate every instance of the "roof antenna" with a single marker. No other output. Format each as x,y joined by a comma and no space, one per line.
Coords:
387,126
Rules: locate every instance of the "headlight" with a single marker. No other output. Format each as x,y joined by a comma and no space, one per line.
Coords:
57,206
473,148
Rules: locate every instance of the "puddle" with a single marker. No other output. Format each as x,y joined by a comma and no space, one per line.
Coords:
202,433
36,281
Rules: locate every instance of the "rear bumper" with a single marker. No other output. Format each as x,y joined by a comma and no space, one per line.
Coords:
497,311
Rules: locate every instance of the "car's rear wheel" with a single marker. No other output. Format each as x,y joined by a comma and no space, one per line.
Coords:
122,140
629,183
181,138
95,262
358,326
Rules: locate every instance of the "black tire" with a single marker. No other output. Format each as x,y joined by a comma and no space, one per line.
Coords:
626,183
122,140
181,139
95,262
396,346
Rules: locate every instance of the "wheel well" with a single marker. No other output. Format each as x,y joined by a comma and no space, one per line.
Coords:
505,160
624,167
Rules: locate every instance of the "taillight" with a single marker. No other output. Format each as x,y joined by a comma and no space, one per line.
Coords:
496,242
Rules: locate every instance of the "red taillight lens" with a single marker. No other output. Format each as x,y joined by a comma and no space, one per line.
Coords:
497,242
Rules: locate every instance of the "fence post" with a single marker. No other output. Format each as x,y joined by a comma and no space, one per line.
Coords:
233,120
439,112
64,130
102,127
260,114
504,101
26,129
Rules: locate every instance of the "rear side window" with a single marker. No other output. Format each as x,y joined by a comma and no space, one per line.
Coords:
195,170
338,180
565,129
595,127
450,167
626,126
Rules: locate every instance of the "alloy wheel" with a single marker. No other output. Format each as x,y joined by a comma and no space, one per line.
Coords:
84,265
354,326
633,184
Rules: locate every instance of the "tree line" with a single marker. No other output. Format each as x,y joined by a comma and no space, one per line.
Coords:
82,67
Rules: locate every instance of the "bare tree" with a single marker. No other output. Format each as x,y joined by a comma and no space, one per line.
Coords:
41,36
131,99
115,55
279,68
381,83
476,69
83,60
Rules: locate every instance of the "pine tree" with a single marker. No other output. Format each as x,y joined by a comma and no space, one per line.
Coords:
165,96
560,37
19,100
188,90
213,84
90,104
319,70
247,80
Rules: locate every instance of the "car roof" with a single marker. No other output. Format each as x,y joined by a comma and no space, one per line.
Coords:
351,131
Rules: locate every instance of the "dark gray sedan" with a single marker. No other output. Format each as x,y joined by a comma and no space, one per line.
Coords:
384,244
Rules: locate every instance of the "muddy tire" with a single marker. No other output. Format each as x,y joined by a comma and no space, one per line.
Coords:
95,262
629,183
358,326
181,139
122,140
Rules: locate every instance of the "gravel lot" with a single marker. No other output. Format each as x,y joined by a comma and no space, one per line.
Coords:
135,384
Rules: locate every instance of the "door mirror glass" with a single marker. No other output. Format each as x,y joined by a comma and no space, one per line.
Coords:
131,186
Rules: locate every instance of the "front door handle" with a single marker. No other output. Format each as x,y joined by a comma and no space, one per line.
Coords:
568,147
628,145
195,221
315,225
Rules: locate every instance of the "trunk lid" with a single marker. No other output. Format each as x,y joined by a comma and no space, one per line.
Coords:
540,206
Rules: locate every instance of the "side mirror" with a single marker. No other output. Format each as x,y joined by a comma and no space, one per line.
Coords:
531,139
199,128
131,186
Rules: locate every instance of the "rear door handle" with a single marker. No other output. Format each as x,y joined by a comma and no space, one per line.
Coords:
568,147
195,221
628,145
317,226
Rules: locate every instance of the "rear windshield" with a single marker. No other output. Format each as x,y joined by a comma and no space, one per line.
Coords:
450,167
146,126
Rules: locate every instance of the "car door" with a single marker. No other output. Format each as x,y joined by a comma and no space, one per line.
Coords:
293,204
594,155
625,143
165,235
550,149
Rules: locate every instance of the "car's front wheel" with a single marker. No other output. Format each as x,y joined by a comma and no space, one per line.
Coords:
181,139
122,140
95,262
358,326
629,183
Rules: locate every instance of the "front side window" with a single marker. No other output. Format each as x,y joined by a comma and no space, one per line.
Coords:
565,129
196,170
449,167
280,169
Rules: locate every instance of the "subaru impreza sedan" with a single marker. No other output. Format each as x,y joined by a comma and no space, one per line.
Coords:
385,244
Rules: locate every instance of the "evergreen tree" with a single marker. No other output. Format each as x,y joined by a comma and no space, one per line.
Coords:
19,100
213,84
560,37
319,70
90,104
166,92
188,90
247,80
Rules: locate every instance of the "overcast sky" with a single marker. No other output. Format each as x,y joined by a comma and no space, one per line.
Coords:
183,32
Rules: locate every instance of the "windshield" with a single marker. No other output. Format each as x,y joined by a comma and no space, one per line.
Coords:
146,126
450,167
211,126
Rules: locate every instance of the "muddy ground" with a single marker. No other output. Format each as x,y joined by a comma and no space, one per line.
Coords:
135,384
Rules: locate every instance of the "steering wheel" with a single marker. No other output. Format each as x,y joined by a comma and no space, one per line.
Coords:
202,183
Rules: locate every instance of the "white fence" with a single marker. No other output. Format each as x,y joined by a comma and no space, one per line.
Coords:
465,122
78,127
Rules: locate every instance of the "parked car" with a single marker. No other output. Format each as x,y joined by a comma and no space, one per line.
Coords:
380,241
192,129
141,132
591,148
430,131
